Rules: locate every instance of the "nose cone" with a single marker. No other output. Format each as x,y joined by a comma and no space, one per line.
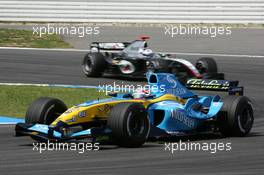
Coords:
70,116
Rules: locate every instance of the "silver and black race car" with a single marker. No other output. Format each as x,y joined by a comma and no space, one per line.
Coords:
135,59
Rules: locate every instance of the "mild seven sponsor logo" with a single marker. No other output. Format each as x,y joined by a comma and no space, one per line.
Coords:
180,116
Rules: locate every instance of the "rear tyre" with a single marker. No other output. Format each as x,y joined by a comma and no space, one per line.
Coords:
93,64
130,125
45,110
206,65
236,117
208,68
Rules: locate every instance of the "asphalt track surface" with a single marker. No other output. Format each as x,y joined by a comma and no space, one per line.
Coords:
243,41
17,156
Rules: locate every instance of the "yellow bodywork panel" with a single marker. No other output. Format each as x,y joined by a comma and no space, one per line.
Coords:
84,114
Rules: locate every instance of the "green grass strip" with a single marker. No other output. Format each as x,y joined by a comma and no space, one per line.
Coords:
26,38
14,100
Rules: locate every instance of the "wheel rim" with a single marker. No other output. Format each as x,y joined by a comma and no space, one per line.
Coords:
151,66
245,120
88,65
51,114
136,124
174,71
201,67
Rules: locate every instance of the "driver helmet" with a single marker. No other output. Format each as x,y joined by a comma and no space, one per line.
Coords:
140,94
146,52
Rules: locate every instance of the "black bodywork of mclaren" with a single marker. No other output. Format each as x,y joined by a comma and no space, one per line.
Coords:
135,59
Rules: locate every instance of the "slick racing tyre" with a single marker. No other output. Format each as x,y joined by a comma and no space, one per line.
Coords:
208,68
44,110
206,65
236,116
130,124
93,64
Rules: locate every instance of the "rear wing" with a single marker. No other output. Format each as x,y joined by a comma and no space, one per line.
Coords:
215,85
109,46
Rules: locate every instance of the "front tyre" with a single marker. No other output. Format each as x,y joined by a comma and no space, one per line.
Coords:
130,124
93,64
236,117
45,110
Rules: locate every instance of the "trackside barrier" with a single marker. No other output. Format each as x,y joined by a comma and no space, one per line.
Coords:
134,11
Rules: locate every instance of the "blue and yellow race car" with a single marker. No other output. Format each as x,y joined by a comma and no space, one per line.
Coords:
167,107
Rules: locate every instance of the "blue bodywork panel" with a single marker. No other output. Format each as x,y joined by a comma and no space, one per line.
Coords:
173,116
167,84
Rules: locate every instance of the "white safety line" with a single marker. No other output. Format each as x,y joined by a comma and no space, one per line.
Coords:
44,49
218,54
179,53
49,85
23,84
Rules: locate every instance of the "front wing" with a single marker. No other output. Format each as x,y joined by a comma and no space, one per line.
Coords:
45,132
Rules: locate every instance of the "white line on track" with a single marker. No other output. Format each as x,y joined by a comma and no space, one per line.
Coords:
219,54
179,53
23,84
44,49
50,85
